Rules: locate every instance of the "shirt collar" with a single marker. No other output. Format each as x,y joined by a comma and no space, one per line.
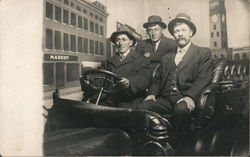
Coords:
157,43
125,53
185,48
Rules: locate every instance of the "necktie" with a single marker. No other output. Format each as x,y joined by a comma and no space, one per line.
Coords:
178,57
122,57
155,47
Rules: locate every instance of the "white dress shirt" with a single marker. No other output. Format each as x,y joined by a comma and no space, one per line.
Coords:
180,53
156,45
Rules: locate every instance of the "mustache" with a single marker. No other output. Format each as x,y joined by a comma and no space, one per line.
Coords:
181,38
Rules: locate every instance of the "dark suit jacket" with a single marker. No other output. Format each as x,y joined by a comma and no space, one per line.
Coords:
135,68
166,45
194,72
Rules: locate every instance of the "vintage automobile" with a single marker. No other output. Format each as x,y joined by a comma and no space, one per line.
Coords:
220,126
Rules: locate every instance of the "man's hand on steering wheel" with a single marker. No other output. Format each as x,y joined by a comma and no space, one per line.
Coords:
124,82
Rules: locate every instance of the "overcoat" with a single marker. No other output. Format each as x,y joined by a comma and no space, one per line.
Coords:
136,69
166,45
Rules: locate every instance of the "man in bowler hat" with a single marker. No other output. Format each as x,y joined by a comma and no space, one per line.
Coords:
180,78
157,45
132,67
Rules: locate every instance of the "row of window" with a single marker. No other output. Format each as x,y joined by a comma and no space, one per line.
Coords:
67,17
212,34
57,76
80,9
224,44
68,42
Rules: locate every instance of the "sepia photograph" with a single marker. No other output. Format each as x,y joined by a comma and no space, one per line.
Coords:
124,77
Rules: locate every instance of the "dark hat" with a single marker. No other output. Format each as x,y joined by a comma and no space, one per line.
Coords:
123,30
154,19
181,17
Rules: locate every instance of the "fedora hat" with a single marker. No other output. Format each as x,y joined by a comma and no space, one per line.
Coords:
123,30
154,19
181,17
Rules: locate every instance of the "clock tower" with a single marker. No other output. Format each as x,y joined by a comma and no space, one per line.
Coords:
218,25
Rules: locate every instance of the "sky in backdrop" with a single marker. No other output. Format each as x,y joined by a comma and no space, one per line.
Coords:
136,12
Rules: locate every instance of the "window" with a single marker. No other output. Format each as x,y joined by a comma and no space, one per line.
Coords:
49,10
215,44
80,44
86,24
91,26
79,22
86,44
58,13
101,48
214,27
218,34
72,4
66,41
96,47
101,19
91,46
73,19
101,30
66,2
96,17
212,34
73,43
66,16
78,8
57,40
48,73
91,14
72,72
49,40
96,28
84,11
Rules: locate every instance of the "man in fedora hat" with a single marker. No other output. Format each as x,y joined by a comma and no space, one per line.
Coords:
130,66
157,45
180,78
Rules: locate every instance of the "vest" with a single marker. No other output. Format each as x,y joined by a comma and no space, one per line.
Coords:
171,84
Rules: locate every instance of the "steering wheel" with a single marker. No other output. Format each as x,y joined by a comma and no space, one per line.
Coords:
102,80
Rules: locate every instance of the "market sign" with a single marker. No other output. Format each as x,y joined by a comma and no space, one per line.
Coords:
53,57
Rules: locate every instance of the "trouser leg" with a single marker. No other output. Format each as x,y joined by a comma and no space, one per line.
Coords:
161,106
180,121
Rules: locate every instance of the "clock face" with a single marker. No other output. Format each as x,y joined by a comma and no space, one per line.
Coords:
214,18
223,18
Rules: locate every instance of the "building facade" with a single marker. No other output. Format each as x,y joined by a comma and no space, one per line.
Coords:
218,28
240,53
74,37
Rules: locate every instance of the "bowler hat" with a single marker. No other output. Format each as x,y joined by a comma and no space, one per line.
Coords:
154,19
181,17
123,30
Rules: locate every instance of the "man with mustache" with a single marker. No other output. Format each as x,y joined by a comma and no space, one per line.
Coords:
157,45
180,78
132,67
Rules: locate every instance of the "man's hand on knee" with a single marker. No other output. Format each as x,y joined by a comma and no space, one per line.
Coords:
150,97
189,101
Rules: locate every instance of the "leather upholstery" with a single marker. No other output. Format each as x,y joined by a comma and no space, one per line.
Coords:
207,100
